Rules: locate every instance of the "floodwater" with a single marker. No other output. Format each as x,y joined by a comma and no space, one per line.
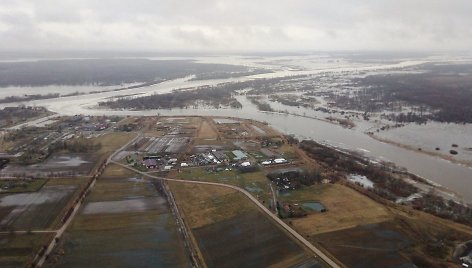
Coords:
362,180
121,206
48,194
435,135
456,177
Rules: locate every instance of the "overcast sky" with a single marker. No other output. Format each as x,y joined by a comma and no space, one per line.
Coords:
236,25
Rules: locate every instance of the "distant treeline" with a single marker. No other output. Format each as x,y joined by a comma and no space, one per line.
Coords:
434,96
215,96
102,71
11,99
13,115
224,75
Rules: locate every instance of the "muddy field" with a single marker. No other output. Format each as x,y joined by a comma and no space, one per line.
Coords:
231,232
17,250
248,240
367,246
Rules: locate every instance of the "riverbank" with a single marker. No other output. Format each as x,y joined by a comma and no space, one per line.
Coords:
422,151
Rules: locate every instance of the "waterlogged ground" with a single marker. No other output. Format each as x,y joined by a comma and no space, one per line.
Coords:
77,164
124,222
37,210
450,175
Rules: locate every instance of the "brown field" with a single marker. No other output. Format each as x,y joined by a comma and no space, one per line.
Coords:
288,152
231,232
255,183
203,208
112,141
368,246
207,131
361,232
346,208
117,171
268,130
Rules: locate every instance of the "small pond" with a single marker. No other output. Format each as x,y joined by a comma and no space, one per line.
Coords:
314,206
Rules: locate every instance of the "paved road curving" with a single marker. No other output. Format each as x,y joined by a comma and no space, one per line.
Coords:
300,238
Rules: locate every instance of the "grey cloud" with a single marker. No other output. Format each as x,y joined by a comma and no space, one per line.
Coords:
235,25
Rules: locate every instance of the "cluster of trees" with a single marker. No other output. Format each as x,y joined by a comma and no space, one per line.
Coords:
385,184
33,154
12,115
409,117
215,96
77,145
437,96
297,178
287,100
224,75
262,106
269,142
276,85
11,99
447,209
3,162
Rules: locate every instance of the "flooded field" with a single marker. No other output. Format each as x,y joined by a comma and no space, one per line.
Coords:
125,222
450,175
134,205
362,180
147,240
77,164
37,210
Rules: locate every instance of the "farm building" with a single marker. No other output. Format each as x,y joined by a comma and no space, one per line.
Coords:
280,161
245,164
150,163
220,155
239,155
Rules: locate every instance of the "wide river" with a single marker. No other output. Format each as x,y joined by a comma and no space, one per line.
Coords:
455,177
